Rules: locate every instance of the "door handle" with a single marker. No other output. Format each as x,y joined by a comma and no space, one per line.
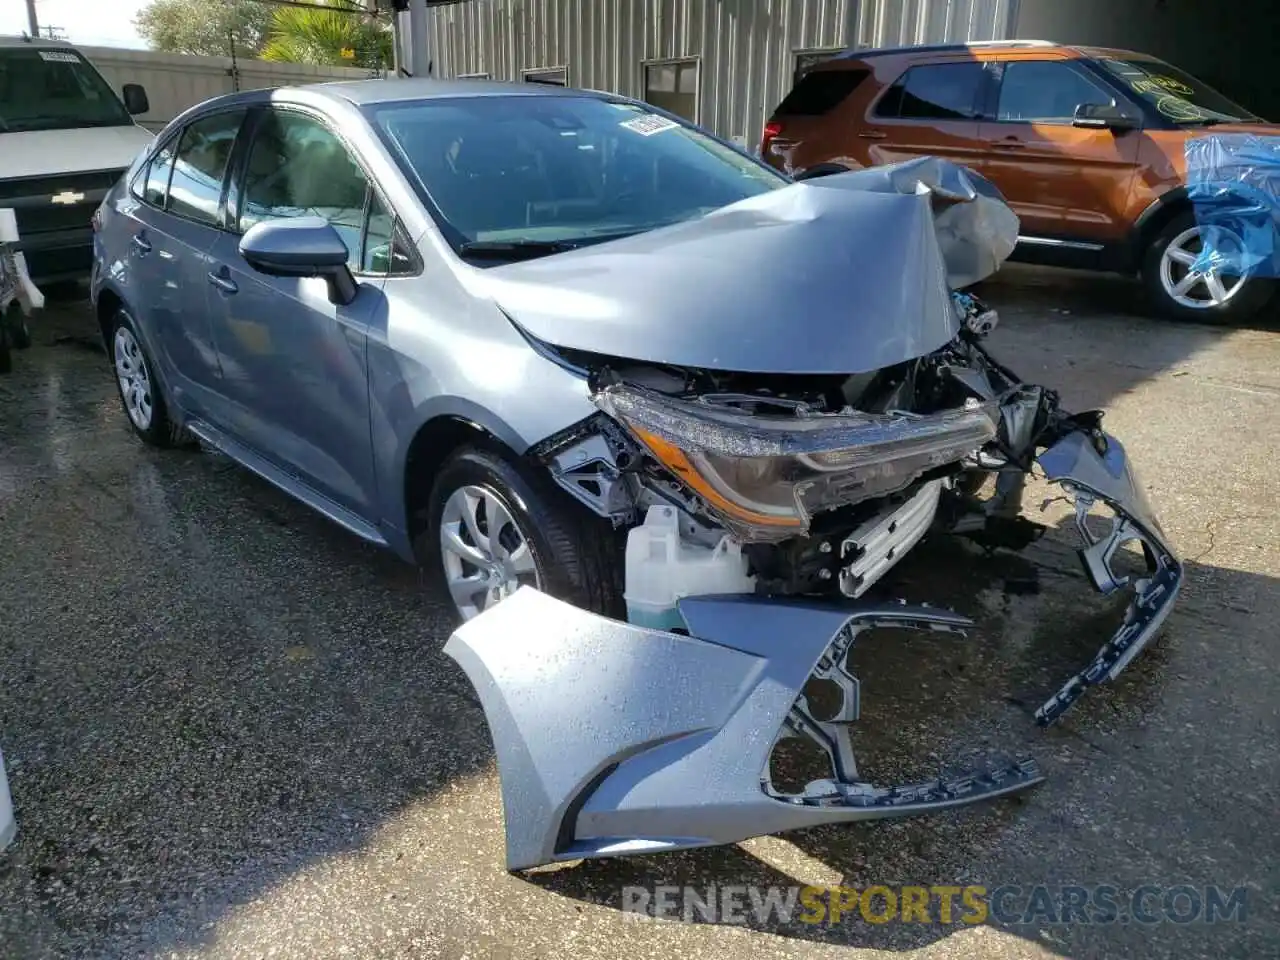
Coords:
141,243
872,135
225,284
1010,143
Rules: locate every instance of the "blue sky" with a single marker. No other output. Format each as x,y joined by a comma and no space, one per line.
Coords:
102,23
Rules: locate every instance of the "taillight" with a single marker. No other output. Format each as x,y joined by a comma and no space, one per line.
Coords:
771,130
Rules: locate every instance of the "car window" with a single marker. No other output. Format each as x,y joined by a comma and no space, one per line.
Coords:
54,89
561,168
297,167
196,186
1038,91
156,179
385,250
1176,94
939,91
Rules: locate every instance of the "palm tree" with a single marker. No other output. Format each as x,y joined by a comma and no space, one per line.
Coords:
333,37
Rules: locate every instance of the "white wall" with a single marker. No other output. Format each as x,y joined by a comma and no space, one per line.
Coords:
175,82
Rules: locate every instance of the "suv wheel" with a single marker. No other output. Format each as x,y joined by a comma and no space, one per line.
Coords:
495,525
139,392
1183,289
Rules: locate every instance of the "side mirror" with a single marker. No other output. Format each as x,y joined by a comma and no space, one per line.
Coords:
1103,116
135,99
301,247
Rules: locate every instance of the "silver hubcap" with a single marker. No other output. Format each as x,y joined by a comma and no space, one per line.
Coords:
486,555
1191,269
135,380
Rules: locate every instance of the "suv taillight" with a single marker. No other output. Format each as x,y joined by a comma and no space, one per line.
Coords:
771,130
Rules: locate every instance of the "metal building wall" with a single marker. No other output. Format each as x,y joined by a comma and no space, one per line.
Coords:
745,48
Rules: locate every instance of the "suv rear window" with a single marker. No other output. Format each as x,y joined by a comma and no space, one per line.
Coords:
819,91
939,91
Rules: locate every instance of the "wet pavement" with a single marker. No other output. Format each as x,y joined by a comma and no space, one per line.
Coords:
230,731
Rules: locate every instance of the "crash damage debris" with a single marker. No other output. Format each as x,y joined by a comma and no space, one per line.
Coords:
613,739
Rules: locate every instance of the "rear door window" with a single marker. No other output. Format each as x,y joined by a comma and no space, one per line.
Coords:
196,188
937,91
1045,91
819,92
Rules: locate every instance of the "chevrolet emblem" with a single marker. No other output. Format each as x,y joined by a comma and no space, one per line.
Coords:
67,197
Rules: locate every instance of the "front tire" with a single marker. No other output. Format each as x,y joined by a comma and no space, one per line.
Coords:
496,524
140,393
1181,289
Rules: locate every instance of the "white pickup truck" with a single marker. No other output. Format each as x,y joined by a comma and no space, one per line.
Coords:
65,139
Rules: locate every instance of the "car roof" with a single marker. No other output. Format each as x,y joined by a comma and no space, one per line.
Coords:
22,40
375,91
925,49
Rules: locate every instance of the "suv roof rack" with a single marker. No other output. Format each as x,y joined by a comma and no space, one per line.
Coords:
854,53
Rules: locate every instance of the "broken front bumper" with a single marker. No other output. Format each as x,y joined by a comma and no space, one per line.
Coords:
1092,468
613,740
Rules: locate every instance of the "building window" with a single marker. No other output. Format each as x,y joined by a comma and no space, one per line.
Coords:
555,76
808,58
673,86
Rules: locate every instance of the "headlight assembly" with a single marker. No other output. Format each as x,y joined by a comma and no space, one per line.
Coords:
767,475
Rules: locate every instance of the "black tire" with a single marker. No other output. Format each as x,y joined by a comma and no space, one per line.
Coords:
578,556
1251,298
160,431
6,356
19,333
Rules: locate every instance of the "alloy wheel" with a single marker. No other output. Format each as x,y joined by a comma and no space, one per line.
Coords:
485,553
134,378
1196,279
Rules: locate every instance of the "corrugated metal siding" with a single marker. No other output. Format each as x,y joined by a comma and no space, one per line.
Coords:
745,48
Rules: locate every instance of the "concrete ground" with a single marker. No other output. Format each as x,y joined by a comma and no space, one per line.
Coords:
230,730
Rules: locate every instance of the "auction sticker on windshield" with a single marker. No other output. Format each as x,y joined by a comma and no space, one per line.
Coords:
648,124
55,56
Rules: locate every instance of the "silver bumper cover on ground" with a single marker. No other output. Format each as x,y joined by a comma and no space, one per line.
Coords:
614,740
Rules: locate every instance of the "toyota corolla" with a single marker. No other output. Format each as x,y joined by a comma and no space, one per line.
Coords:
658,418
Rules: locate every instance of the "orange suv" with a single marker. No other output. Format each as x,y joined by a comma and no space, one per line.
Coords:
1086,144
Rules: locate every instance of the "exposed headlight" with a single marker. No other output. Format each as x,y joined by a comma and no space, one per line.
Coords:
767,475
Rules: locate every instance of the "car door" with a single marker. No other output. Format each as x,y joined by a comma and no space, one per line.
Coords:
174,228
1064,182
294,363
931,110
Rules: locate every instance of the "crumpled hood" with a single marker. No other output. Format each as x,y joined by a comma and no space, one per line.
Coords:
35,153
819,277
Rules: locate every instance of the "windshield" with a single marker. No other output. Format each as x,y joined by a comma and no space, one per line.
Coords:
1176,94
42,89
556,170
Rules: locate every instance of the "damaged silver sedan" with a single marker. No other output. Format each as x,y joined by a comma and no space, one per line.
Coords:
661,419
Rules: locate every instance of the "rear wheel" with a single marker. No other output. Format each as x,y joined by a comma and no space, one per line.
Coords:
1186,284
140,394
495,525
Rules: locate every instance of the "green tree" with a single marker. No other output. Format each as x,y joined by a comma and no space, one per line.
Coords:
205,27
332,37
